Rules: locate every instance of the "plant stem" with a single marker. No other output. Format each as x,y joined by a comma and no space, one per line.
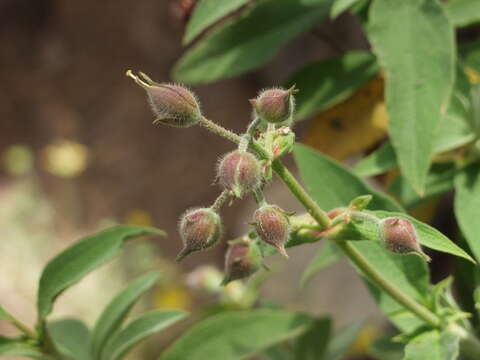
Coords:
22,327
217,205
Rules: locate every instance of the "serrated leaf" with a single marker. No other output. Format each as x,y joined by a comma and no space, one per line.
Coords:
138,330
14,347
433,345
463,12
467,202
207,13
332,185
327,255
117,310
313,343
78,260
328,82
72,338
420,73
249,332
249,40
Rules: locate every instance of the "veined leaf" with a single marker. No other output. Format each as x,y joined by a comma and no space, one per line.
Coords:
313,344
78,260
72,338
327,255
207,13
117,310
420,73
433,345
463,12
328,82
332,185
249,40
249,332
139,329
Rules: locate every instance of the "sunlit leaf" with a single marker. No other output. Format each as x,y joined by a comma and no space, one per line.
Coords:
433,345
463,12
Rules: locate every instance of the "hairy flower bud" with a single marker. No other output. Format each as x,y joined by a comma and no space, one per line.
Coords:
199,229
399,236
275,105
273,226
173,105
239,172
243,258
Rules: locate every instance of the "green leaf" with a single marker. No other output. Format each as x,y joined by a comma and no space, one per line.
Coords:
249,40
386,349
138,330
381,160
207,13
328,82
470,54
72,338
420,73
427,235
340,6
333,185
313,344
14,347
327,255
249,332
463,12
117,310
467,203
78,260
342,341
433,345
439,181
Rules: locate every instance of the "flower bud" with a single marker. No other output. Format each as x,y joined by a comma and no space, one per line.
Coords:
399,236
273,227
275,105
283,141
243,258
173,105
239,172
199,229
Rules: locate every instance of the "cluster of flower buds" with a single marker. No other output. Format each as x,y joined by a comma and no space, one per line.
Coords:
239,172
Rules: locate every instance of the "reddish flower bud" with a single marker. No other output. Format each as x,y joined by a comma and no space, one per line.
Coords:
173,105
273,227
199,229
243,258
239,172
399,236
275,105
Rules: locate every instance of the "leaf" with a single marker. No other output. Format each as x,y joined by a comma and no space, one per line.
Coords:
139,329
352,126
327,255
249,40
14,347
78,260
420,75
313,344
332,185
249,332
328,82
117,310
386,349
467,202
340,6
342,341
433,345
72,338
207,13
463,12
381,160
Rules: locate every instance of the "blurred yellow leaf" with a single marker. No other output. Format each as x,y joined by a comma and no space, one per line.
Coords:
173,297
473,75
352,126
139,217
365,339
66,159
18,160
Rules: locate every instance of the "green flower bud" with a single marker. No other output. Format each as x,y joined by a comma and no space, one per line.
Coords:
275,105
399,236
273,227
172,104
243,258
199,229
283,141
239,172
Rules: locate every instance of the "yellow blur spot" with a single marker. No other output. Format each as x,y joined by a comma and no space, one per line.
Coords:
173,297
139,217
66,159
352,126
18,160
473,75
365,339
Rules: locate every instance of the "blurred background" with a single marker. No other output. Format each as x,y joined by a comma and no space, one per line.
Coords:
79,153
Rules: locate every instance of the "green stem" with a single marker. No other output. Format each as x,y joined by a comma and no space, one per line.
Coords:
22,327
221,199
